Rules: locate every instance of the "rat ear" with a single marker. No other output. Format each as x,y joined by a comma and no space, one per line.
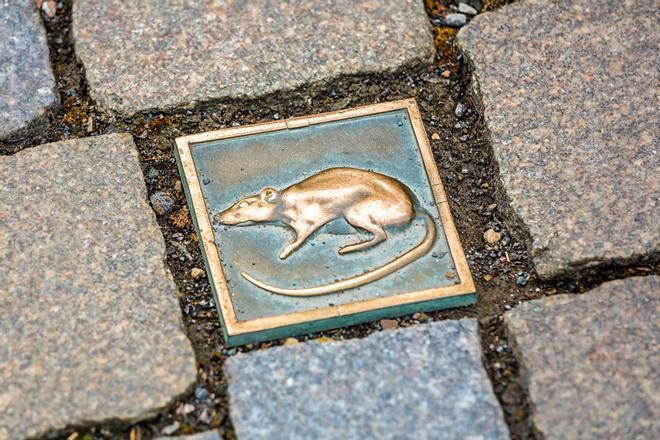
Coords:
269,194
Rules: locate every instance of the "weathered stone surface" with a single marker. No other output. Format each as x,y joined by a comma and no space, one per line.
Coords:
159,54
425,381
591,361
569,90
89,320
27,86
207,435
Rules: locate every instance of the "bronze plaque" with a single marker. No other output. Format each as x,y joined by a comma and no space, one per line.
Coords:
323,221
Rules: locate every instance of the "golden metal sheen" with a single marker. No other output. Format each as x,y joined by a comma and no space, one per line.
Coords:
366,200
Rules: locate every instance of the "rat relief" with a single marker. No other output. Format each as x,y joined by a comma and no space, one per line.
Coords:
366,200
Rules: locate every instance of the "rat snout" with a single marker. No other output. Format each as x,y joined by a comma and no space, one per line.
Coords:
227,217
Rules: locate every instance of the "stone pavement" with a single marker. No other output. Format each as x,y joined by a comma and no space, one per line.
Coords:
425,381
89,319
591,361
569,93
27,85
161,54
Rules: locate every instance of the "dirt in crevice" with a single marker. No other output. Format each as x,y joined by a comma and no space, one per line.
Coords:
455,126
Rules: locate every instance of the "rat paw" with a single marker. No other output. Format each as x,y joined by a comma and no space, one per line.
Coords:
285,252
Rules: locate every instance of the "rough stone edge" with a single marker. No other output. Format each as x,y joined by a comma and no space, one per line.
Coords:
470,326
191,363
40,121
423,58
524,372
60,431
311,88
515,225
514,343
204,435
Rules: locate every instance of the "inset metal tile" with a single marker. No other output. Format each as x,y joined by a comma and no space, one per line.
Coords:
323,221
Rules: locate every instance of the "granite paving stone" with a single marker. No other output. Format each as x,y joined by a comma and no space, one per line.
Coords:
591,361
27,86
425,381
569,95
90,326
157,54
207,435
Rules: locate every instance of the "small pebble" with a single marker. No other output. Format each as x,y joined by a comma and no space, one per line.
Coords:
455,20
201,393
197,273
466,9
488,278
177,187
162,202
323,339
459,110
446,74
421,317
152,173
491,236
435,136
170,429
49,7
522,279
187,409
291,341
205,417
388,324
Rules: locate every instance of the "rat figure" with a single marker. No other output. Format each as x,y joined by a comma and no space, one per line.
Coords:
365,199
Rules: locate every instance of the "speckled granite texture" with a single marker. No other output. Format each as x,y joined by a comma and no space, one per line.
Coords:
570,96
167,53
591,361
425,381
27,85
89,320
207,435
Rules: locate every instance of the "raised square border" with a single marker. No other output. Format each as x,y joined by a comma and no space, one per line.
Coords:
241,332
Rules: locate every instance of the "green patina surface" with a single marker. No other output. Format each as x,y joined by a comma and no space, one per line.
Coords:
234,168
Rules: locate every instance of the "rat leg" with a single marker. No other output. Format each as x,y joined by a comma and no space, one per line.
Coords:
368,225
301,235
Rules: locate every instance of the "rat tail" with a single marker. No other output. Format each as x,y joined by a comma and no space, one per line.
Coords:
359,280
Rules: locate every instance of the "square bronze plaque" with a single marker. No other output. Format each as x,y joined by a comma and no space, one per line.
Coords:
323,221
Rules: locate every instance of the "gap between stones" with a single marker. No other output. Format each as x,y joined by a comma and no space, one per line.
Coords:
468,171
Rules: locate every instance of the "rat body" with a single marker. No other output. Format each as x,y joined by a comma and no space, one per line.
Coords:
365,199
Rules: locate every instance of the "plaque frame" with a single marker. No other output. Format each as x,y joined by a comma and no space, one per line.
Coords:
237,332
